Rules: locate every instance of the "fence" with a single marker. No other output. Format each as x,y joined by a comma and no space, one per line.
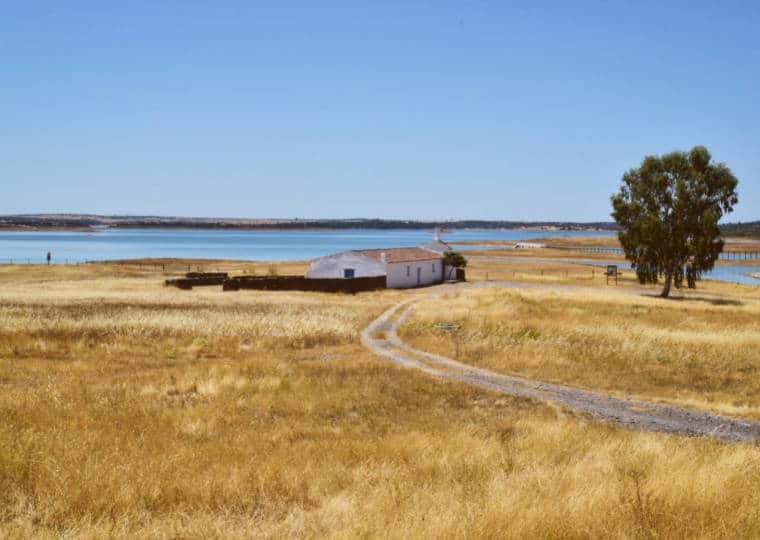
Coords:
739,255
732,255
301,283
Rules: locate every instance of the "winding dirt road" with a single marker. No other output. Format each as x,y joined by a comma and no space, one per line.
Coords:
381,338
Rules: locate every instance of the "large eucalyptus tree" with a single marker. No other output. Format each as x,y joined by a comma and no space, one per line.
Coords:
668,210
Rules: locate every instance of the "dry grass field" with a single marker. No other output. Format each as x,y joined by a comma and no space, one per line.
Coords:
134,410
562,272
537,272
700,350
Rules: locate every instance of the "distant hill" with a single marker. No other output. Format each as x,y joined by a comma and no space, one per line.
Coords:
33,222
91,222
751,228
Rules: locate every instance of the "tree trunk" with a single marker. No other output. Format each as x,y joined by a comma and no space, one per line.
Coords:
668,282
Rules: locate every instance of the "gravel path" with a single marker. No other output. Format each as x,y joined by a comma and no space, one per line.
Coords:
381,338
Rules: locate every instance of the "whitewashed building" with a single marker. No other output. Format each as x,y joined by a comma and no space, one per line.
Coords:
403,268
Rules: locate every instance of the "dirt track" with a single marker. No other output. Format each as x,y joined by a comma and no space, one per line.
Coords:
381,338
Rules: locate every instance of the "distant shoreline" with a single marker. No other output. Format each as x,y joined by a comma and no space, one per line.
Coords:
200,228
90,223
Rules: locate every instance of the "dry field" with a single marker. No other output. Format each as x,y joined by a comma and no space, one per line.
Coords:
538,272
565,273
700,350
134,410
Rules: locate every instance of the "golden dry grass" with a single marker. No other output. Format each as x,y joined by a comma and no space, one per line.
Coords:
701,350
565,273
134,410
542,272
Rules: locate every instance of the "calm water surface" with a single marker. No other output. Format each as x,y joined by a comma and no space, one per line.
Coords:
113,244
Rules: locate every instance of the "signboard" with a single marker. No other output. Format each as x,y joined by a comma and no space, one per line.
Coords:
612,271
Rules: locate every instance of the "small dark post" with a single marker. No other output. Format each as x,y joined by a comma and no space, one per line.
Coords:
612,271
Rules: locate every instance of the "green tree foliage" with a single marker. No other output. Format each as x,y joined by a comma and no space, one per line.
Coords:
454,259
668,210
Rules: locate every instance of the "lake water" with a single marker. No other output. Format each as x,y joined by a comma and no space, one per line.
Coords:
111,244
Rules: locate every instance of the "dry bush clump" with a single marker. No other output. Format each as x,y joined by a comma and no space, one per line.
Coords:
132,410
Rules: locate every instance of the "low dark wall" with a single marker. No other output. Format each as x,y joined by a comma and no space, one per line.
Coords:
300,283
197,279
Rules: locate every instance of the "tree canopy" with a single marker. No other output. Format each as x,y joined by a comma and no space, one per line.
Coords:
454,259
668,210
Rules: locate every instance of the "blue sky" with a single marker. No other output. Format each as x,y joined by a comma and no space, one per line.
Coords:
492,110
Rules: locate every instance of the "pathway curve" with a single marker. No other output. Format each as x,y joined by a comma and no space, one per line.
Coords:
381,338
